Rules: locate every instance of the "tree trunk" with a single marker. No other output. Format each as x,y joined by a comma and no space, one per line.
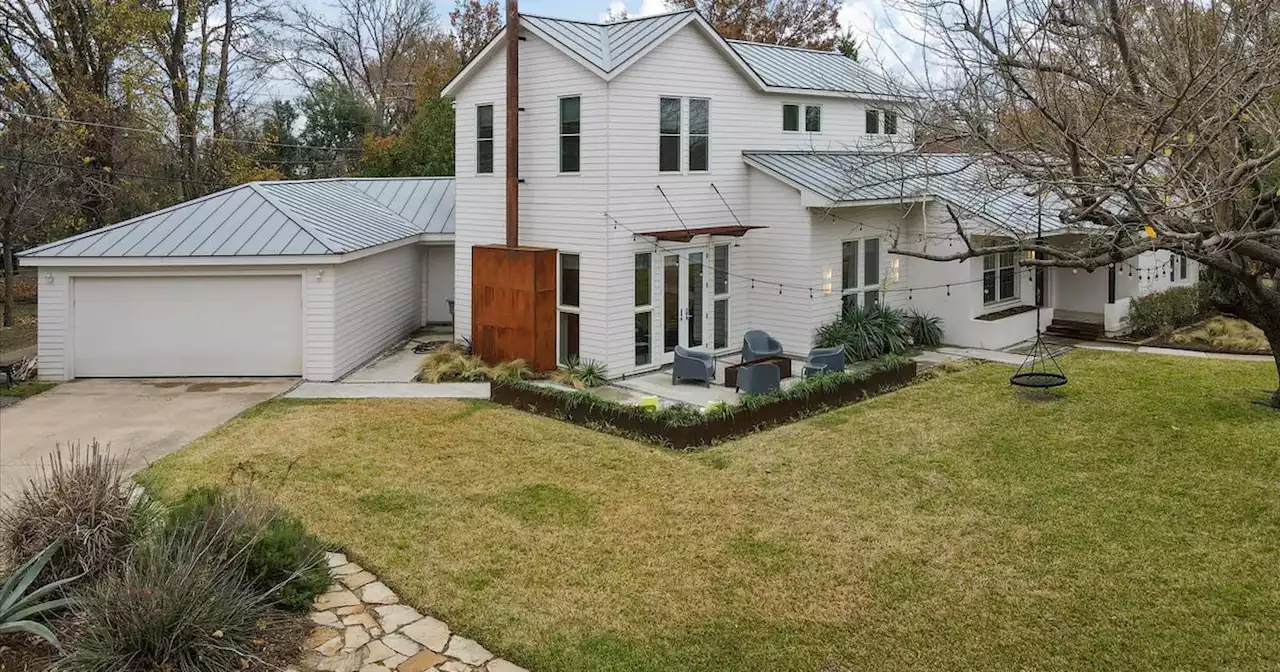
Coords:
8,280
1273,336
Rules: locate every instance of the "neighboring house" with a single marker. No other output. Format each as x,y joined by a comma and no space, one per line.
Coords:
303,278
696,188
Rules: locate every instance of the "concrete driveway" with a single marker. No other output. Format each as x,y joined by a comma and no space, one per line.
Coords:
146,419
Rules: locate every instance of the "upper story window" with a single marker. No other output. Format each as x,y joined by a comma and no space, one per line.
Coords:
699,135
882,121
484,138
669,135
570,134
812,117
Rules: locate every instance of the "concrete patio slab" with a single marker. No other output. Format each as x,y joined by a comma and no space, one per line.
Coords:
390,391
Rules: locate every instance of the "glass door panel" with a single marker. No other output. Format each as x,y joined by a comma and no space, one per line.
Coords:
693,313
671,308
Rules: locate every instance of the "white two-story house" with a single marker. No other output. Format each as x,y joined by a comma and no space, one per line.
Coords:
697,187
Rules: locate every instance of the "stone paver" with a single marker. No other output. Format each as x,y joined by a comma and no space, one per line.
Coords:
362,627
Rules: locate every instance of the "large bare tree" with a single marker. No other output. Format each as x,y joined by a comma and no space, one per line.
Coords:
1155,122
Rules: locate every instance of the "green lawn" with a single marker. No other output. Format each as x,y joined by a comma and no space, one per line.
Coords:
1132,525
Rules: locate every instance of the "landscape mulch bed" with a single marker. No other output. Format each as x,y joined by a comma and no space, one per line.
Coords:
632,422
20,653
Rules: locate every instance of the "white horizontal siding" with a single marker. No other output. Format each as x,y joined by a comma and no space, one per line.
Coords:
53,307
378,301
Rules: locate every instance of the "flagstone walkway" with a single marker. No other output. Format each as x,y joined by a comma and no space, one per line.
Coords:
361,626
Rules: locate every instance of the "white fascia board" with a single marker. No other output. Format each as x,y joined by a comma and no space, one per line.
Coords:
260,260
902,200
850,95
474,64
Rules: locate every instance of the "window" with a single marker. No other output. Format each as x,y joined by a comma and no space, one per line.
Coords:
791,118
813,118
484,138
890,123
1182,266
669,135
569,304
699,134
860,288
999,277
570,134
873,122
720,298
644,309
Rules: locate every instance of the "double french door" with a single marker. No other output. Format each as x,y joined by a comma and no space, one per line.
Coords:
694,301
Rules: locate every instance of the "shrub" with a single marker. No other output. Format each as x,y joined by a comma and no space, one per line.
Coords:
1165,311
451,363
582,374
179,604
515,369
279,556
865,333
17,608
79,501
925,329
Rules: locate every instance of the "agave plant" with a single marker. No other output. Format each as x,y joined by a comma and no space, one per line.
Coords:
17,607
582,374
926,329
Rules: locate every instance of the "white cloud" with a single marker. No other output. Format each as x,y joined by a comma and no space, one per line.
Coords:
645,8
888,37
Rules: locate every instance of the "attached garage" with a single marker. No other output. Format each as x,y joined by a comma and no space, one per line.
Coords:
308,279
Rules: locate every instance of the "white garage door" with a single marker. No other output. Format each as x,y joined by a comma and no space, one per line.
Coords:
188,326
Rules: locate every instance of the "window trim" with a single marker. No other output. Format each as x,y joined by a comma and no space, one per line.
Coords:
884,122
808,107
869,113
997,301
799,117
561,135
1183,267
717,297
690,135
562,308
680,135
492,140
859,289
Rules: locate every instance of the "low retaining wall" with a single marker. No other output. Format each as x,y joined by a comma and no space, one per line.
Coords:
637,423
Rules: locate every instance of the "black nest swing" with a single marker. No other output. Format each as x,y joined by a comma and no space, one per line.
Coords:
1035,372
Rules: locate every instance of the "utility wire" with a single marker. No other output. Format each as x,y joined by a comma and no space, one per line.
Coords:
261,143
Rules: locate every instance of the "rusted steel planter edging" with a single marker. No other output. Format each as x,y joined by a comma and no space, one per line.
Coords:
638,424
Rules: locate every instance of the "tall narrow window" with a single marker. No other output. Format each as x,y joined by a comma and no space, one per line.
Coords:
644,308
873,122
999,277
791,117
669,135
1182,265
695,298
570,282
890,123
570,134
860,288
813,118
484,138
699,134
720,298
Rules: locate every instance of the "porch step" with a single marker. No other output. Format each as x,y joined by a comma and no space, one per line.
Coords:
1081,331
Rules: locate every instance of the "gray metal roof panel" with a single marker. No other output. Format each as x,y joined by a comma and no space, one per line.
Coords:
606,45
332,216
965,180
794,68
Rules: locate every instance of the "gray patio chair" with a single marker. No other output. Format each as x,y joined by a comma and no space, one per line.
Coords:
693,365
761,378
825,360
758,345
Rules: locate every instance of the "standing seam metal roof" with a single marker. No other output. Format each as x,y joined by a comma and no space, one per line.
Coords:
964,180
306,217
610,45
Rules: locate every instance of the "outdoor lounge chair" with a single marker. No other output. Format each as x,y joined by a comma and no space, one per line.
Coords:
761,378
825,360
758,345
693,365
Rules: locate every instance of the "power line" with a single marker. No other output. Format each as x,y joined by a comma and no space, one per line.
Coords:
100,171
152,131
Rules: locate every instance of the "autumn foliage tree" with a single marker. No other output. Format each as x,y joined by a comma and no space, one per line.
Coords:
813,24
1156,123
